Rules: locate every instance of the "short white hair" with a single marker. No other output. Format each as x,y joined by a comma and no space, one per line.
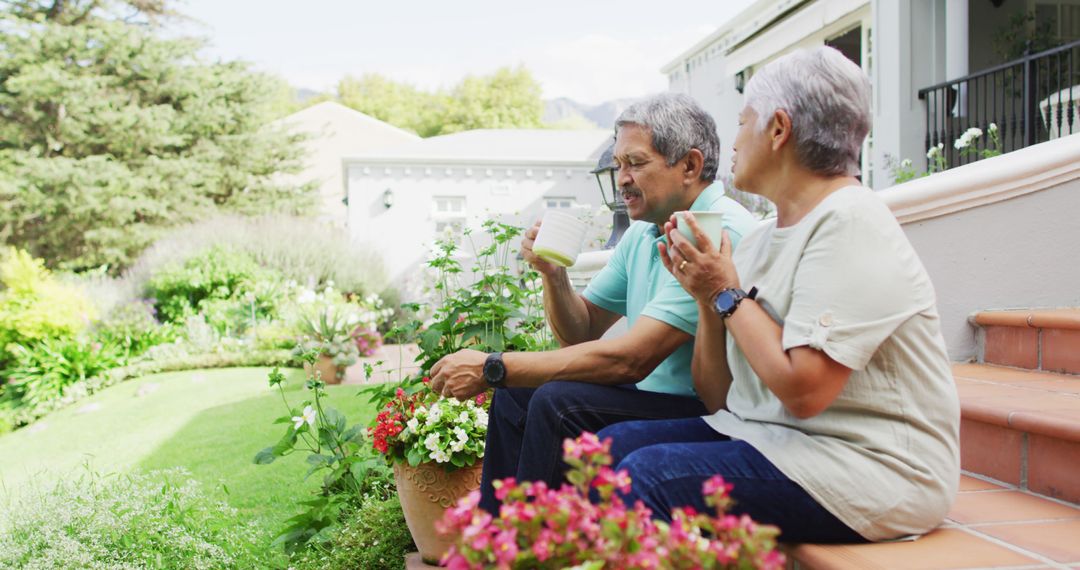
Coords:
827,97
678,124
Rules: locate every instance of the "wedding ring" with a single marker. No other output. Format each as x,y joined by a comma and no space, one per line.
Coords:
682,265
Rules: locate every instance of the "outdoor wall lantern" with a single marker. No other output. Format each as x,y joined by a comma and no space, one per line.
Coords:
388,198
740,81
605,177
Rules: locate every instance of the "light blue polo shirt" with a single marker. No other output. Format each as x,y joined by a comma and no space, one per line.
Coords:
634,283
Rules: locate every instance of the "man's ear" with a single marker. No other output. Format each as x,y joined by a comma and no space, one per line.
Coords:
695,162
780,129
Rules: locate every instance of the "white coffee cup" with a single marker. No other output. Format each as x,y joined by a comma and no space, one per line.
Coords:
560,238
712,223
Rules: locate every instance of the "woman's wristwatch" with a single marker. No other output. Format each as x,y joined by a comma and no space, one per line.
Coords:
725,302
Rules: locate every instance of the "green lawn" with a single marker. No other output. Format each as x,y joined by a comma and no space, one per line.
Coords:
211,422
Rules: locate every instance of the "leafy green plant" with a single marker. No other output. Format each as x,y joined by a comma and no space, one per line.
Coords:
155,520
373,537
334,449
34,305
133,328
44,371
494,309
183,289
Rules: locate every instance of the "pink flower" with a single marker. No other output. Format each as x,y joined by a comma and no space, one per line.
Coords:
506,548
716,484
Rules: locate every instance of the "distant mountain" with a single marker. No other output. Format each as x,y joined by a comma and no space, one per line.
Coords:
303,94
564,110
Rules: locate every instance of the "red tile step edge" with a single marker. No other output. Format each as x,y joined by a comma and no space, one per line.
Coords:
1043,339
990,526
1021,427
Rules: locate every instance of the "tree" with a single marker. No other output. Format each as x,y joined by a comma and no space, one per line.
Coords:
110,134
506,99
399,104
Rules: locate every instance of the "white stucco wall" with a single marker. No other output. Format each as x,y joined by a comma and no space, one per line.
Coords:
404,232
1002,233
334,131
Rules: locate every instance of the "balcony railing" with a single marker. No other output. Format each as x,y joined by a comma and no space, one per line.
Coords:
1031,100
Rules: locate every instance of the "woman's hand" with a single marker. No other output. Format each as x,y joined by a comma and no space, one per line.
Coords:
703,271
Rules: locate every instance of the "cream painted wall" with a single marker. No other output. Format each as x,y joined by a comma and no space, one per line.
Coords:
1020,253
404,232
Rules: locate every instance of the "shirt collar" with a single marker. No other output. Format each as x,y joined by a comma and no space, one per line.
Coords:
702,203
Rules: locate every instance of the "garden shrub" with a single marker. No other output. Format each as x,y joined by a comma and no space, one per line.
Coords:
373,537
154,520
304,250
133,328
183,289
44,370
34,305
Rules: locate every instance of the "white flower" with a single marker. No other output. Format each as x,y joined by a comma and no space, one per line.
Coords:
968,137
308,417
464,418
992,128
413,424
440,456
481,418
457,445
306,296
434,415
432,442
906,163
932,152
461,435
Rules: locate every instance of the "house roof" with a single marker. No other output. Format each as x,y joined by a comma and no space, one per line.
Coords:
345,119
528,146
742,26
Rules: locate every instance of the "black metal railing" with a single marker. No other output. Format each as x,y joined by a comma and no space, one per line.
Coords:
1030,100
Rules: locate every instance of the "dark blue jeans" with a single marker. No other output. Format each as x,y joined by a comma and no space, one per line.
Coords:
669,461
527,426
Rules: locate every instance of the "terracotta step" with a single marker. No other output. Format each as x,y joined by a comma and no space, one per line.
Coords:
1021,427
1044,339
990,526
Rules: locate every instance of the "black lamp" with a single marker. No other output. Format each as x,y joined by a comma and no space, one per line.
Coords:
605,177
740,81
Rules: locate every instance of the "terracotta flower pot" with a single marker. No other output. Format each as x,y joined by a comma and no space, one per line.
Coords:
328,371
426,491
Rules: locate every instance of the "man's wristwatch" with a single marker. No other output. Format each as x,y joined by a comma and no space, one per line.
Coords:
728,300
495,370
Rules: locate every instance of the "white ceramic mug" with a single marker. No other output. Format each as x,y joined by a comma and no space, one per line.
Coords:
712,223
560,238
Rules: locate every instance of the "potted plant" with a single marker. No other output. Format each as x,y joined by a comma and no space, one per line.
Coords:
329,325
434,445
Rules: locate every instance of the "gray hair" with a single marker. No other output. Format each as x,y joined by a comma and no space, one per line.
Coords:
827,97
677,124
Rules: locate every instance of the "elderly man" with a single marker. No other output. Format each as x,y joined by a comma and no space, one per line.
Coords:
667,154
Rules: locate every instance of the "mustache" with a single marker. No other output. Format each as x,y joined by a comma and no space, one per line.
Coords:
630,191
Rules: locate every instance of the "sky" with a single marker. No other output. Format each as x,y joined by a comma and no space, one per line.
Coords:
588,50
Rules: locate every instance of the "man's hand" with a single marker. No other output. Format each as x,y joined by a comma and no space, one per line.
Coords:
459,375
544,267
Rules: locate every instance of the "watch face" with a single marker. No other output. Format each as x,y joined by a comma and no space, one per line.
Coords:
725,301
494,370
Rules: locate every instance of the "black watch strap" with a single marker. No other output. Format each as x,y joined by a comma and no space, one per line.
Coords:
495,370
727,301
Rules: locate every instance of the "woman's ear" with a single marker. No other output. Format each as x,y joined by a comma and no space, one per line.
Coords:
780,129
695,163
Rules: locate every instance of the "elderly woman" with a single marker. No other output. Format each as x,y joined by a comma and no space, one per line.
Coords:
818,351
